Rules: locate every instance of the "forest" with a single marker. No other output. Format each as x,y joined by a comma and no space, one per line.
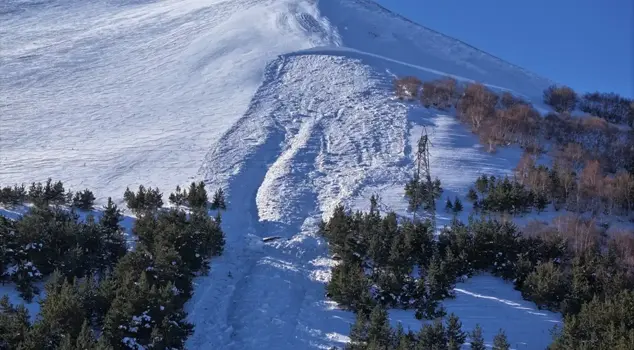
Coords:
573,265
99,293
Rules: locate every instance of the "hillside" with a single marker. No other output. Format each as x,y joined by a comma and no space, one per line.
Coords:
288,105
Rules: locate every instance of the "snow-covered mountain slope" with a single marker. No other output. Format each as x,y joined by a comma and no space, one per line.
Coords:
287,104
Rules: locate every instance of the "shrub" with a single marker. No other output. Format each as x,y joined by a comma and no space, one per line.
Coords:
439,93
407,87
508,100
476,104
609,106
562,98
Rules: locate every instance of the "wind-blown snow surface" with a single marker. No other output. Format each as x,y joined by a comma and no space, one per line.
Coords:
286,104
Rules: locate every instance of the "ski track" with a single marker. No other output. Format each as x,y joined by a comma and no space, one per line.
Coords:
286,104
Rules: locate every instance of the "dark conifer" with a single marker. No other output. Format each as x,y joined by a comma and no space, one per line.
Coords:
448,205
218,202
457,206
476,339
500,342
83,200
379,330
455,336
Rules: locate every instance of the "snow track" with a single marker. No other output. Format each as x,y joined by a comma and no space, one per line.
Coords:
303,145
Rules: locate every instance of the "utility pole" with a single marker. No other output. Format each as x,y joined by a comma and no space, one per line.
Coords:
422,178
424,162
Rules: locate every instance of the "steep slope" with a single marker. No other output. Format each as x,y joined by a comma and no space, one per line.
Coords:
286,104
117,93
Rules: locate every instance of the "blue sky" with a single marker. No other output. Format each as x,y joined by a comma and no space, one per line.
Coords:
586,44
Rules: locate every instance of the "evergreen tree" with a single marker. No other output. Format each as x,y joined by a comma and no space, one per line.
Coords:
379,330
439,279
178,197
433,337
349,286
14,324
359,332
500,342
83,200
62,312
457,206
85,339
455,336
113,240
218,202
472,195
426,307
448,205
197,197
546,286
36,194
476,339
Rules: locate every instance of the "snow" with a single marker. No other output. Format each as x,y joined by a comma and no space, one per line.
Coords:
494,304
286,104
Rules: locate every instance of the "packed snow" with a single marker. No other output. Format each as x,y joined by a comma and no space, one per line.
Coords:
286,104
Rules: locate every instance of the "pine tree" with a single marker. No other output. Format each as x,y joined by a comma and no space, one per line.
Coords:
177,197
36,194
359,332
14,324
62,311
546,286
433,337
455,336
425,306
500,342
83,200
379,330
86,339
197,197
349,286
476,339
472,195
448,205
218,202
457,206
112,238
439,279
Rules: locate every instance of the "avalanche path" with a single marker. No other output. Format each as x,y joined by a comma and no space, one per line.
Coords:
322,129
303,146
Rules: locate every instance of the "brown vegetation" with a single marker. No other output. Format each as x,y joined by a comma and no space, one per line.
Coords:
608,106
476,105
407,87
439,93
508,100
562,98
579,233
